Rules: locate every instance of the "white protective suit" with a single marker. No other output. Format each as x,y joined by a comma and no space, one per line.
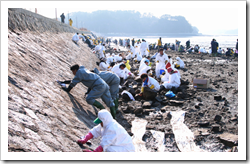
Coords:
117,58
161,64
144,48
180,62
210,51
137,47
110,60
129,56
202,50
98,48
102,51
138,57
81,36
174,81
144,70
103,66
142,64
165,77
114,138
143,61
75,38
121,73
219,51
152,81
132,51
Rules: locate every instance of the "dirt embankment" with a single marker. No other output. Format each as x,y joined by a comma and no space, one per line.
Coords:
41,116
20,19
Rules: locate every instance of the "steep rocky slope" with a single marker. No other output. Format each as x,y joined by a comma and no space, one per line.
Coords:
41,116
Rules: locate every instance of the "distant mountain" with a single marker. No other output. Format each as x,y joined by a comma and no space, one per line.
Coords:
103,21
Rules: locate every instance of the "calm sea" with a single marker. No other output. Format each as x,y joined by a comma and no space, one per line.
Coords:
225,41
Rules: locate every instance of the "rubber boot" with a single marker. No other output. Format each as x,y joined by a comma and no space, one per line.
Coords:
116,104
98,105
113,111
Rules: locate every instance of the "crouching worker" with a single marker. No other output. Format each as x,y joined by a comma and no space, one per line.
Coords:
179,63
113,81
99,89
174,79
149,82
114,138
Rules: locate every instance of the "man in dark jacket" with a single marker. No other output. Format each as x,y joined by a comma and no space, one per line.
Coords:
236,51
62,17
133,42
214,46
187,44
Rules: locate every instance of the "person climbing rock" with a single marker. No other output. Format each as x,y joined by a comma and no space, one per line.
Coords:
75,38
99,88
113,81
114,138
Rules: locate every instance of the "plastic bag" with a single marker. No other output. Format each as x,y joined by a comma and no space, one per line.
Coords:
184,137
170,94
138,129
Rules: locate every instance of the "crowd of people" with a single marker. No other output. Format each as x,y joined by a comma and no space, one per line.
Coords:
114,70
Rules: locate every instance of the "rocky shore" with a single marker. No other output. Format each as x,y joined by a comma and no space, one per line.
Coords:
44,118
211,114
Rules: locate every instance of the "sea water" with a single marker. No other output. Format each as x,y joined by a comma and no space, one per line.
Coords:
225,41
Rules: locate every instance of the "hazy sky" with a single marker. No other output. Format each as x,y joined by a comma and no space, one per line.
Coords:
208,16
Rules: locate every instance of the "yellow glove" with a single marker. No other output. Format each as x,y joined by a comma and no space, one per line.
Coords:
135,46
109,67
135,60
177,65
217,48
152,87
166,62
103,51
131,52
157,61
142,89
161,76
147,50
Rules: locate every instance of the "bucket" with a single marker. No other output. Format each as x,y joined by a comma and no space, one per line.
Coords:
161,71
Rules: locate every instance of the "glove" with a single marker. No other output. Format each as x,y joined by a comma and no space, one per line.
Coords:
108,66
157,61
87,137
161,76
131,52
149,64
142,89
103,51
164,73
67,89
152,87
166,62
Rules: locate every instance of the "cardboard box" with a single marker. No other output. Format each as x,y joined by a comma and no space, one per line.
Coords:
200,83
